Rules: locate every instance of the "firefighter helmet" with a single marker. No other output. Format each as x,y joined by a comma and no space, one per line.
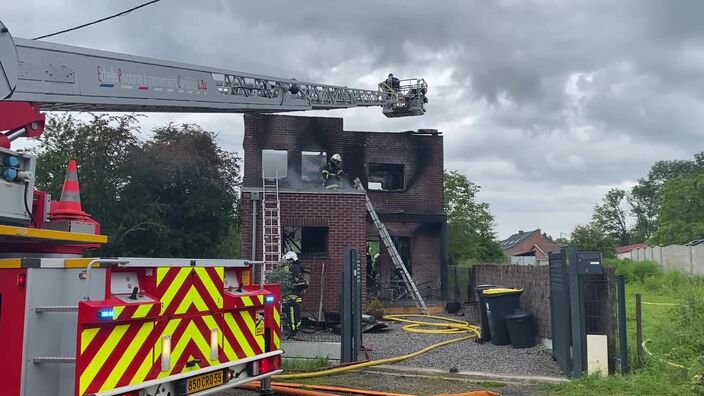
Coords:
291,257
336,159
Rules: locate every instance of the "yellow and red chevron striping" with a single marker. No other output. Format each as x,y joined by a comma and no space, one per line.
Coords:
189,290
277,327
241,340
248,301
135,311
131,353
127,350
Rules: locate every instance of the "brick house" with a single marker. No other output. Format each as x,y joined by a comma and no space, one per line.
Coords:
529,247
402,172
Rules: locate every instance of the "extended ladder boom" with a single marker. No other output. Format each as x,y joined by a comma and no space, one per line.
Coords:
67,78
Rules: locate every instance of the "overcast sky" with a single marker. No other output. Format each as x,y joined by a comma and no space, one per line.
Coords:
545,104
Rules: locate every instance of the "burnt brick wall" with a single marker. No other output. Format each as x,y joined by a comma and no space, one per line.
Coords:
425,262
422,157
317,210
290,133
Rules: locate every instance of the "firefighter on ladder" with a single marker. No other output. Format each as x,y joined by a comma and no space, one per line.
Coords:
332,172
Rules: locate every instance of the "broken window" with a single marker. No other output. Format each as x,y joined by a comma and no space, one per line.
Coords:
403,246
274,163
311,241
312,163
385,177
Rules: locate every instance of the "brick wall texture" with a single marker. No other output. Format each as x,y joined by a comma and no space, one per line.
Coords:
415,212
316,210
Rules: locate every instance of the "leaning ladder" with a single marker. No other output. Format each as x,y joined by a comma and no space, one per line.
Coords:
395,257
271,223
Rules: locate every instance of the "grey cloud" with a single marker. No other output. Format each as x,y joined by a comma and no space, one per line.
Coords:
499,73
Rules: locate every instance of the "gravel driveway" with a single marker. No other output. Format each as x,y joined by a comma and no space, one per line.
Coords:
465,356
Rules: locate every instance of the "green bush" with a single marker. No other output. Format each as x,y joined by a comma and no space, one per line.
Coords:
634,270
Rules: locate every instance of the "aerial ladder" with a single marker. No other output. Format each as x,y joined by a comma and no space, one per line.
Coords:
131,325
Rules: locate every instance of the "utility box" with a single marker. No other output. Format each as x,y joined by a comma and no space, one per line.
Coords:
589,263
16,186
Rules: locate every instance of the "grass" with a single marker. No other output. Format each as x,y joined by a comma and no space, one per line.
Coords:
303,365
491,384
675,332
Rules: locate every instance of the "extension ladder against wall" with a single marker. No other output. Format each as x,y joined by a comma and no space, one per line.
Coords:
271,223
395,257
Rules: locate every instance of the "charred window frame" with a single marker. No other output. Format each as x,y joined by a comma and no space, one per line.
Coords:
385,177
403,246
312,163
306,241
274,163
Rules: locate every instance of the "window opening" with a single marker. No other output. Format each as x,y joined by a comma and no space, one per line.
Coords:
385,177
274,163
311,241
312,163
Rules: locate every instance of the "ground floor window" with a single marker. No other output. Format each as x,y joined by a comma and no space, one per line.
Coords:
403,246
312,241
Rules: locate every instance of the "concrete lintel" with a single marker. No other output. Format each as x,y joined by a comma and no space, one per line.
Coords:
464,375
310,350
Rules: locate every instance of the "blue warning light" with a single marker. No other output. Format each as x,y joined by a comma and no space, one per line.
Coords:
108,313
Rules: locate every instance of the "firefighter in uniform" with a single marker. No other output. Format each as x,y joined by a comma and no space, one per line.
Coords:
332,173
291,303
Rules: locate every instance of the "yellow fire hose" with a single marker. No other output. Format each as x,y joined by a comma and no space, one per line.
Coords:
669,363
445,325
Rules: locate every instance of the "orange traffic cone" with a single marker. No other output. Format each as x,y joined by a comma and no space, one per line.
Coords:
69,206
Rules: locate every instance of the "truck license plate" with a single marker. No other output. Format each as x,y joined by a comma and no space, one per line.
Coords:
205,381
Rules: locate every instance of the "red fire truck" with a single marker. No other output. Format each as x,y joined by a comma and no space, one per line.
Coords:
129,325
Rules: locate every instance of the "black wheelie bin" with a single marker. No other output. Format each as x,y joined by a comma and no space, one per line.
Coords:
483,318
520,329
501,302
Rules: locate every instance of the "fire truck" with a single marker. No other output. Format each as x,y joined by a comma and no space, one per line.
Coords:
134,326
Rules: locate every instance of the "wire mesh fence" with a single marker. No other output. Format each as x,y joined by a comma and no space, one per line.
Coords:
601,313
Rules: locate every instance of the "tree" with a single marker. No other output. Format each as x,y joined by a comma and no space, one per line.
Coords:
644,206
681,214
592,237
562,241
184,190
470,224
102,147
645,196
173,195
610,216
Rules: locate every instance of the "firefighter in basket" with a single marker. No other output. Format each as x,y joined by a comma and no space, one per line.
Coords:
297,283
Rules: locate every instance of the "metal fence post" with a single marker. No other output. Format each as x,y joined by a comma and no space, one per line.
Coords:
346,310
639,331
622,336
357,304
579,335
